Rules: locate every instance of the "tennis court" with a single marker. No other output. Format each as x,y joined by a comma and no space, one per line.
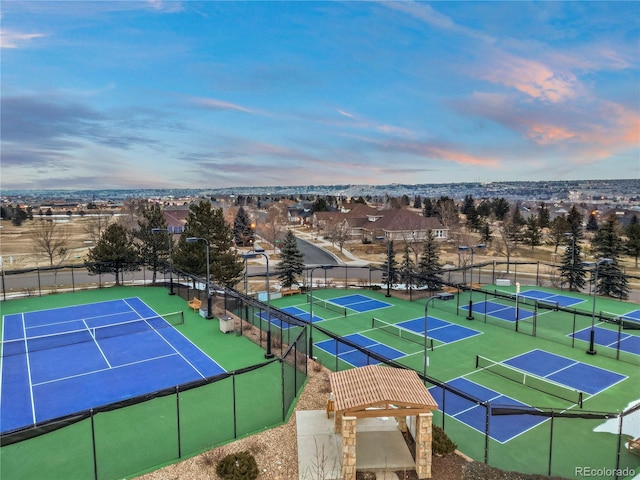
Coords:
610,339
546,372
552,298
354,356
359,303
65,360
440,330
294,311
499,310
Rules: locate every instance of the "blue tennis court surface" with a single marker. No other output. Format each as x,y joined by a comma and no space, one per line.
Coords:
547,297
294,311
502,428
441,330
61,361
498,310
359,303
356,357
609,338
577,375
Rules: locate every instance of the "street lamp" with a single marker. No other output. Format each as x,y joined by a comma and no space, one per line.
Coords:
595,265
323,267
199,239
471,248
158,230
254,254
440,296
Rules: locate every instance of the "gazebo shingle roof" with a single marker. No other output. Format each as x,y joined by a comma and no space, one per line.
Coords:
376,390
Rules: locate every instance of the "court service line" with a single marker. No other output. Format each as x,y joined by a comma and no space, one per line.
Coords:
100,370
95,340
162,336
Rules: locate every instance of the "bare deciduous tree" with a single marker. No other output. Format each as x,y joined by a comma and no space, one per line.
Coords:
52,239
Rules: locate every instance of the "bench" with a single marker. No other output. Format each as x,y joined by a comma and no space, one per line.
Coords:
195,303
633,445
290,291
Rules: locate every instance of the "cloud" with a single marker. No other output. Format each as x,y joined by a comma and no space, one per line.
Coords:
215,104
531,77
427,14
11,39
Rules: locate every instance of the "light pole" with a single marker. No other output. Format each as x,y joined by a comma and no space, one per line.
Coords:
472,249
440,296
200,239
323,267
158,230
254,254
389,246
596,265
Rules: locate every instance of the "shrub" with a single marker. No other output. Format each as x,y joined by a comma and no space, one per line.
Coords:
442,444
238,466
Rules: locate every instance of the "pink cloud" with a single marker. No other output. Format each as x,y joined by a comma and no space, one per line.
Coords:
10,39
215,104
531,77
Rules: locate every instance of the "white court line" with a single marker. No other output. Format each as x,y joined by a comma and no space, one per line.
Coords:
95,340
84,374
27,358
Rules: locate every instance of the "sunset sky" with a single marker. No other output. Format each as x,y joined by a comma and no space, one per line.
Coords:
155,94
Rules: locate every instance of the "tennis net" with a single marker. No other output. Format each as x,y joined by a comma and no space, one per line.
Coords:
89,334
530,380
399,332
327,305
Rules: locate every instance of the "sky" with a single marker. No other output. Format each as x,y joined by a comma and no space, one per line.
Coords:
211,94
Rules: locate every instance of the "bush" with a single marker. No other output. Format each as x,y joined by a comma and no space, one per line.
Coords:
238,466
442,444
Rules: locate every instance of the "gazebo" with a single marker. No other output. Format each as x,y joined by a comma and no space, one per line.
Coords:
379,391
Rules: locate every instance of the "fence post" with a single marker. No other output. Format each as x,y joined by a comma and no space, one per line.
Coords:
550,443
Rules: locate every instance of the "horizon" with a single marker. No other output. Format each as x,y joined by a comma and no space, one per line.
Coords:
219,95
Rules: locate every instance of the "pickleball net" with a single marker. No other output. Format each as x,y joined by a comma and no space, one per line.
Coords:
90,334
332,307
530,380
399,332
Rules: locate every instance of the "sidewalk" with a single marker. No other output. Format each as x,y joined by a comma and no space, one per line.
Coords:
354,261
380,446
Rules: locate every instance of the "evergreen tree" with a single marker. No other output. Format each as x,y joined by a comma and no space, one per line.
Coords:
633,238
592,223
390,267
417,202
608,243
467,204
114,253
532,234
291,261
407,268
574,218
320,205
474,222
209,223
543,216
242,229
572,271
428,209
500,208
153,248
428,268
484,208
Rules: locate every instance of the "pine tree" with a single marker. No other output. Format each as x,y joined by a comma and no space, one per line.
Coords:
608,243
633,238
407,268
291,262
114,253
572,271
153,248
390,267
428,268
242,229
592,223
532,234
209,223
543,216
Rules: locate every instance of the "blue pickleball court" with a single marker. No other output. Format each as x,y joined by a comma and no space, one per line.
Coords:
62,361
359,303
